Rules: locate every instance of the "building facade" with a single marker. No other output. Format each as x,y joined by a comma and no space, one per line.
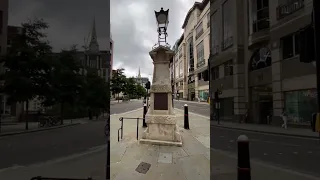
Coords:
4,7
180,69
193,54
267,73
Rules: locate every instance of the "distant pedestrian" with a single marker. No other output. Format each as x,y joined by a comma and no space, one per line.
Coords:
284,119
178,96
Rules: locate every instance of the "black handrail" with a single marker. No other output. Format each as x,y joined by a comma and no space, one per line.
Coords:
46,178
121,128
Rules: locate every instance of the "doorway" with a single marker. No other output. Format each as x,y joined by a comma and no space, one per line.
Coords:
261,104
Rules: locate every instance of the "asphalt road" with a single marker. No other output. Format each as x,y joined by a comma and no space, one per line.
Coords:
43,146
297,154
117,108
199,108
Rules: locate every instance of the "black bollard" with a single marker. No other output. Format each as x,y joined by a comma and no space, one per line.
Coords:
186,117
144,124
244,171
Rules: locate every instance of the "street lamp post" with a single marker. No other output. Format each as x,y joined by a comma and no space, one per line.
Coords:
162,22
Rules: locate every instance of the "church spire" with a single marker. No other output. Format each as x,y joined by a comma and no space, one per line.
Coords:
139,75
94,46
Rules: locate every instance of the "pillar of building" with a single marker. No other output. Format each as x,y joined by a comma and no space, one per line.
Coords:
196,85
278,99
239,86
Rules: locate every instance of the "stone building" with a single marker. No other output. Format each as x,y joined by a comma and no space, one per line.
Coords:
263,48
191,59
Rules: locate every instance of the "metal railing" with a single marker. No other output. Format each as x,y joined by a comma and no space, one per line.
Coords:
284,10
121,128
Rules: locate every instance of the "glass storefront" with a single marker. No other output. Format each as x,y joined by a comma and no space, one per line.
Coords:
300,105
203,95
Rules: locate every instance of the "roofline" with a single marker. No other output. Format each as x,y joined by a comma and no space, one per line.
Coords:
199,5
180,40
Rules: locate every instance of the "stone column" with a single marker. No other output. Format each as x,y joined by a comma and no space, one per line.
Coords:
160,118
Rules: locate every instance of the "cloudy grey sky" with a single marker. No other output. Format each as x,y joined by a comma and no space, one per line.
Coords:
133,25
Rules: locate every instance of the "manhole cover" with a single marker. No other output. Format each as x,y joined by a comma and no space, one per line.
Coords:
143,167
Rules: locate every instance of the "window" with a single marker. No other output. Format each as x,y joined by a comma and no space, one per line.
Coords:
208,20
290,46
180,69
199,76
215,73
260,14
214,33
190,54
228,68
177,70
300,105
180,52
261,58
1,21
227,24
200,54
199,30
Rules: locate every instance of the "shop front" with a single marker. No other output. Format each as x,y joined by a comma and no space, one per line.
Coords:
203,95
300,105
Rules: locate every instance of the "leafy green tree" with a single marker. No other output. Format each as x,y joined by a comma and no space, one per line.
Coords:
65,82
130,87
26,64
118,82
97,93
141,91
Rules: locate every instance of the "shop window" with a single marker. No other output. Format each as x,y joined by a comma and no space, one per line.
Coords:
290,46
300,105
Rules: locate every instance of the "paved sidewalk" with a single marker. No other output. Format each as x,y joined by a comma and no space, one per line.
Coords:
19,128
299,132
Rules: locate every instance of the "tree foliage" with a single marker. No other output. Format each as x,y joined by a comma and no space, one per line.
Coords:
33,70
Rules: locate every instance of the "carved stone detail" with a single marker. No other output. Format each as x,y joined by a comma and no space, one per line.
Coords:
157,88
163,119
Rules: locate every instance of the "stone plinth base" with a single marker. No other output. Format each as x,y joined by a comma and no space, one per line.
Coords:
161,130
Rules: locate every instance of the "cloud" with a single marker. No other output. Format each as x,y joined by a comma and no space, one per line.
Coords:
134,31
133,25
70,21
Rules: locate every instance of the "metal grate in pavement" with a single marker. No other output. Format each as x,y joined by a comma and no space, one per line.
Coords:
143,167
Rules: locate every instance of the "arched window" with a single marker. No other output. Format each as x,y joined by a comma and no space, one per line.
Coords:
261,58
